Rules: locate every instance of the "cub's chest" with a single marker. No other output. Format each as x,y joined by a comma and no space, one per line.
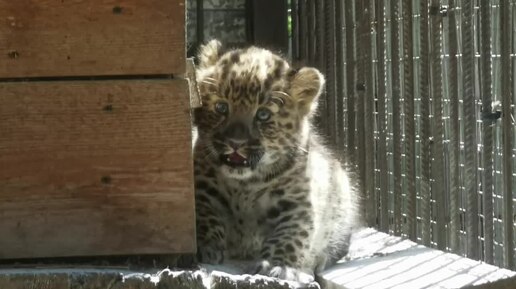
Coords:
250,202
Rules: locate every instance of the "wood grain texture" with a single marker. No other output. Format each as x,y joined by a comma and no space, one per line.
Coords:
40,38
95,168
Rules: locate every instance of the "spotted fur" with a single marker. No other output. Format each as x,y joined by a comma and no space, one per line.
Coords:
267,190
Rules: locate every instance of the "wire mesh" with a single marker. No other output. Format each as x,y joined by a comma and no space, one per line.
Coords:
422,102
395,112
381,118
487,132
453,125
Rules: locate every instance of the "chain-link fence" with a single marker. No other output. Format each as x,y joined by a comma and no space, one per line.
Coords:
420,95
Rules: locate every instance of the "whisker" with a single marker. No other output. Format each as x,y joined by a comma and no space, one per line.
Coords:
211,78
282,93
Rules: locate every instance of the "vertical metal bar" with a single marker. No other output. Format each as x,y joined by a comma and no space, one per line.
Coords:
409,122
350,77
363,43
382,118
487,127
469,120
369,112
396,114
339,62
302,31
295,29
426,158
455,131
200,22
507,93
437,96
330,58
320,50
311,33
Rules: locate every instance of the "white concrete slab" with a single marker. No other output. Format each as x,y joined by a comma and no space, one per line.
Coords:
378,260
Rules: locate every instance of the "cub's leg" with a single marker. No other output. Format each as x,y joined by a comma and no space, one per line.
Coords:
211,228
284,250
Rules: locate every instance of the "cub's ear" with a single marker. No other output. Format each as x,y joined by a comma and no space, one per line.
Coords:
306,86
209,53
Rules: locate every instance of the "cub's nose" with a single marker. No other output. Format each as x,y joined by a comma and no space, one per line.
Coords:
236,131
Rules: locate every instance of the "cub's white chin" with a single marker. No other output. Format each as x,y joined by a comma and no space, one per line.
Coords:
239,173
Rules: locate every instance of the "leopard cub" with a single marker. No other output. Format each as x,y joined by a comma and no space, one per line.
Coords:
267,190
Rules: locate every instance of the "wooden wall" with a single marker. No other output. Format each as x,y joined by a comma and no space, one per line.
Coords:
95,132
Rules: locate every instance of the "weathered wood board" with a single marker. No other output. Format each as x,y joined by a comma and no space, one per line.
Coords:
95,168
48,38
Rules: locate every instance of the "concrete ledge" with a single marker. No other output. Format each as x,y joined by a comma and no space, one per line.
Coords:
206,278
377,260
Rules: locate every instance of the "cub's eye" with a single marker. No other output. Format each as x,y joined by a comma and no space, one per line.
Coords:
263,114
222,107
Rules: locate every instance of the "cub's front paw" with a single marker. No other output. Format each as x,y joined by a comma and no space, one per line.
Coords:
265,268
210,255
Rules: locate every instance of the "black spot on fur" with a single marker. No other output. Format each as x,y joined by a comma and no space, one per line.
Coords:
291,72
277,260
277,193
293,259
225,72
287,205
261,98
201,185
277,72
298,243
210,173
203,228
288,125
202,199
304,216
279,64
216,194
289,248
285,219
273,213
303,233
267,84
235,57
284,113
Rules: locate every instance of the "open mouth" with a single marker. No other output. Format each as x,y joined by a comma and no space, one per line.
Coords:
235,160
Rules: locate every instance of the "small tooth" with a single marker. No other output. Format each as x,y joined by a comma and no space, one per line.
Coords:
228,159
245,163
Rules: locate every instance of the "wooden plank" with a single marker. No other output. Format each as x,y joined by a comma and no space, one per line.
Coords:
95,168
91,37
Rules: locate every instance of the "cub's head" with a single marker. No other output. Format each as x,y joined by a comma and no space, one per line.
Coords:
255,108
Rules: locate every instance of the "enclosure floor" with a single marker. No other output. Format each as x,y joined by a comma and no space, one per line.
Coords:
378,260
207,278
